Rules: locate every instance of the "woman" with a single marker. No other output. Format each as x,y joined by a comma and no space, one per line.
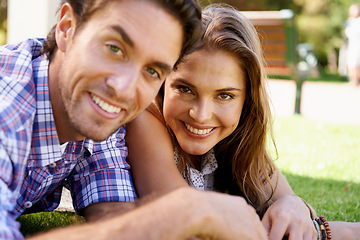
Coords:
213,117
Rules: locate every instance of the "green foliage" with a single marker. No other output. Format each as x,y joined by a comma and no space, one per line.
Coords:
257,5
321,23
3,21
318,22
39,222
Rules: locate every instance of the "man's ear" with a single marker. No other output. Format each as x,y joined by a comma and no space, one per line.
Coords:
65,27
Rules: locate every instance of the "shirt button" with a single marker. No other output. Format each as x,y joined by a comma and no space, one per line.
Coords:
28,204
52,165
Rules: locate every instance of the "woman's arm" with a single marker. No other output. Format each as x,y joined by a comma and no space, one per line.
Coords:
151,156
288,215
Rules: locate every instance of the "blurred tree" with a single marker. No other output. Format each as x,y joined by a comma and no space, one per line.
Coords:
318,22
3,21
257,5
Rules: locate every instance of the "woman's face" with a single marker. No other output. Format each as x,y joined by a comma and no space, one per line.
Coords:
204,99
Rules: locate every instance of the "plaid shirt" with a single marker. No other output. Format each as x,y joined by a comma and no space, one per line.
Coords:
33,169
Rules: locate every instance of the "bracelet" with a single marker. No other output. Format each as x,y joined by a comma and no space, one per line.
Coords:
327,227
312,212
322,229
324,232
317,229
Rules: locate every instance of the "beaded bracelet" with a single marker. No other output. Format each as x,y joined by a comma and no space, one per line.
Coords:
323,228
327,227
317,229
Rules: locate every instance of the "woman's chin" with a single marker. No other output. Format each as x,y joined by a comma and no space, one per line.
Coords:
193,150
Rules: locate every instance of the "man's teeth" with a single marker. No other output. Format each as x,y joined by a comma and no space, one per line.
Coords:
105,106
198,131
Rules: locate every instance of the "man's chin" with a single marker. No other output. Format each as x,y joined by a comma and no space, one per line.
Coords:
97,135
96,131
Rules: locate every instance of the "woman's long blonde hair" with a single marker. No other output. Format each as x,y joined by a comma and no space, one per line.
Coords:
244,163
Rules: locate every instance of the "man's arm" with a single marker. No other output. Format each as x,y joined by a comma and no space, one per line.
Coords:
180,214
101,184
9,227
105,210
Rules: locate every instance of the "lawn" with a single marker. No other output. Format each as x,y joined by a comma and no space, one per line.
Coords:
320,160
322,164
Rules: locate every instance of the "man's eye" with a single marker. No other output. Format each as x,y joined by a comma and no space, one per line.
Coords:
115,50
153,72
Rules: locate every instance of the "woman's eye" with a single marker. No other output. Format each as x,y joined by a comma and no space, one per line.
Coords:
184,89
153,72
225,96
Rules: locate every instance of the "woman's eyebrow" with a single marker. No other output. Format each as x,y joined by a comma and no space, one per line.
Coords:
185,82
229,89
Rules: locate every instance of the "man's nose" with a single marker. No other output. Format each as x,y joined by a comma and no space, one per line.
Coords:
124,83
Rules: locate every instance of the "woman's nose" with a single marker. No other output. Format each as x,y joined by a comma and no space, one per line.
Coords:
201,111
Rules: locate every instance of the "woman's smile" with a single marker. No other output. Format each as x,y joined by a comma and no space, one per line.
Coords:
197,131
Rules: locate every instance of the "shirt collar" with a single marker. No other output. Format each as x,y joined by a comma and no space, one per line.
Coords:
45,142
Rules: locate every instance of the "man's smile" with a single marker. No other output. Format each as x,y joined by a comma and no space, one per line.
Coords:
104,105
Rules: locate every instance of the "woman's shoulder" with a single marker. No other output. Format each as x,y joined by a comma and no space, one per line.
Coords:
149,121
155,112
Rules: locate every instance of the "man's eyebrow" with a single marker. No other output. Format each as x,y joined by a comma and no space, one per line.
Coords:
165,67
123,34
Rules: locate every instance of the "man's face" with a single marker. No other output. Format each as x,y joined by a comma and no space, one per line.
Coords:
115,64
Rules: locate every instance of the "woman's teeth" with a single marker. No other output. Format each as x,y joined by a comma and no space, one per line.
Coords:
105,106
198,131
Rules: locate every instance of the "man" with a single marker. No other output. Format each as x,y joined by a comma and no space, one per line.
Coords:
101,66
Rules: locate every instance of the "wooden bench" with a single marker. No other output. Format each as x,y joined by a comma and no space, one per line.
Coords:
276,31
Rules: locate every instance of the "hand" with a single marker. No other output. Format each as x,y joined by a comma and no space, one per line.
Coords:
289,216
225,217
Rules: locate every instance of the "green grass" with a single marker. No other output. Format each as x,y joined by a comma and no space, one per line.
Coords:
320,160
337,200
324,76
318,149
38,222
